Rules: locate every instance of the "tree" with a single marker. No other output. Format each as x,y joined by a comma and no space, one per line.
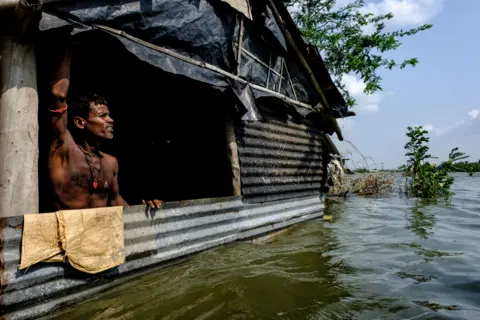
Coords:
428,180
340,34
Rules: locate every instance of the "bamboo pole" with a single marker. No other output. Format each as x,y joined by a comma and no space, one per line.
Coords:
18,121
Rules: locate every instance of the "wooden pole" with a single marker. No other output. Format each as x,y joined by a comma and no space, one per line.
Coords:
18,125
232,153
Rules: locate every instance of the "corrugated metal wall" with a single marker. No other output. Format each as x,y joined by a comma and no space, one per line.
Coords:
179,229
280,157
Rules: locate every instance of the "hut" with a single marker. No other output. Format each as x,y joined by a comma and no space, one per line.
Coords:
222,110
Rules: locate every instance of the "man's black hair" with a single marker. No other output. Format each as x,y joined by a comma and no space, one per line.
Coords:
80,107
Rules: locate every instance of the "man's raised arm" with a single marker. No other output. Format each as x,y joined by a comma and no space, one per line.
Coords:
58,102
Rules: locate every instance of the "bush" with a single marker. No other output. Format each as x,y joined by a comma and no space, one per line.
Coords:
377,183
427,180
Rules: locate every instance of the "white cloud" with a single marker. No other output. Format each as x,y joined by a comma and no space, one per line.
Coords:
365,103
428,127
445,130
460,128
463,134
474,113
406,12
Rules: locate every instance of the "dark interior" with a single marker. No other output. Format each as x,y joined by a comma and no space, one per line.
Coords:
169,130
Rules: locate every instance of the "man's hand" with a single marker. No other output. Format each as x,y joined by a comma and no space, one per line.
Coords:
154,204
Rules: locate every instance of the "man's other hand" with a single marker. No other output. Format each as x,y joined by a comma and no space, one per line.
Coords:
154,204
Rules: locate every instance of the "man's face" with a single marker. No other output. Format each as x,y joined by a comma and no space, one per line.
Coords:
99,122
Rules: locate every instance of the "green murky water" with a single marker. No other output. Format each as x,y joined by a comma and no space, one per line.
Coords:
380,258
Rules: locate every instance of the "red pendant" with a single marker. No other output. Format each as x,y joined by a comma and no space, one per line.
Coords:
95,184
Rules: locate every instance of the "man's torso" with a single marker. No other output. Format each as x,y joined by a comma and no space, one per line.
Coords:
73,172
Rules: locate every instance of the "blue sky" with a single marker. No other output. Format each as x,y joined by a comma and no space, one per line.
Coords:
441,93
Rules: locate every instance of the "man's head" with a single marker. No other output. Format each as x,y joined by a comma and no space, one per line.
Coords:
90,115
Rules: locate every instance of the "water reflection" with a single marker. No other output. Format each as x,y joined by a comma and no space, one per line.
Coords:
421,221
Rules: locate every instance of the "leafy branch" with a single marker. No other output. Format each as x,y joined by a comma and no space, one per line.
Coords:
351,41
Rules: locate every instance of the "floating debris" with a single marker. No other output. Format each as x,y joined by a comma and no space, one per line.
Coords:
327,217
435,306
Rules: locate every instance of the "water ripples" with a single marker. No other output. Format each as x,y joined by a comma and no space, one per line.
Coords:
380,258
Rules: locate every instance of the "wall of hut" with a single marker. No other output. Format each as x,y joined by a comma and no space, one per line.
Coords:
280,157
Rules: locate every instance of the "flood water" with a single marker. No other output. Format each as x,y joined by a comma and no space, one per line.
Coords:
379,258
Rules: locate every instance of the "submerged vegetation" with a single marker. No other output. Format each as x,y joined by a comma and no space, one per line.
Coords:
426,179
367,184
362,180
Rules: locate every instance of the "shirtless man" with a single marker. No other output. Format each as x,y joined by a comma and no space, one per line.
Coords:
81,175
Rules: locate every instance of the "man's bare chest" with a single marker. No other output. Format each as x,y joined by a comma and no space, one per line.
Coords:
78,170
89,171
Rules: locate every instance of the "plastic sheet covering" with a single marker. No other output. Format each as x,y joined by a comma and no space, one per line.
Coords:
204,30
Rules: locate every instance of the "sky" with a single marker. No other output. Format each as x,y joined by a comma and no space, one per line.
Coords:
441,93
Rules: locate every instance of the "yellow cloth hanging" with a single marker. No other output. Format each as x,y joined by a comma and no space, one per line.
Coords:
91,240
40,239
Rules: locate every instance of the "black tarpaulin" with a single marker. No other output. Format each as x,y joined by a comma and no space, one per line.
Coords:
205,31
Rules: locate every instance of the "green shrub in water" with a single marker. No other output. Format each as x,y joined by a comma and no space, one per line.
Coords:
428,180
